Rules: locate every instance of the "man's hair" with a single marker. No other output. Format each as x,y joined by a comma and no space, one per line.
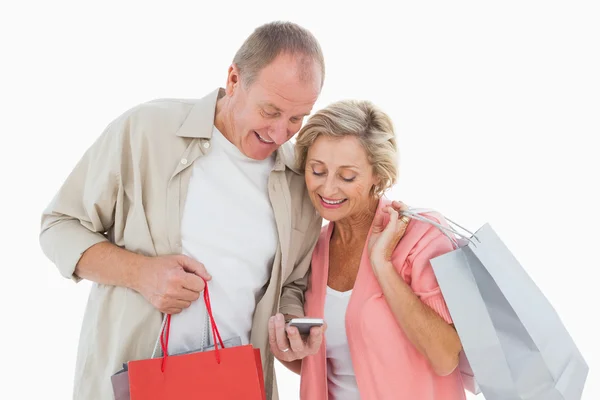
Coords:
269,41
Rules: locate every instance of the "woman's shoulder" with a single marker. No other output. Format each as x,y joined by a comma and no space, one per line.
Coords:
417,228
322,241
424,232
323,236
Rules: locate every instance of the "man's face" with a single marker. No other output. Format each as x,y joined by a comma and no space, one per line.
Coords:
271,110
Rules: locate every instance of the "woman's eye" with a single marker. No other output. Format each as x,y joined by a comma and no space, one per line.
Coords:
318,173
348,179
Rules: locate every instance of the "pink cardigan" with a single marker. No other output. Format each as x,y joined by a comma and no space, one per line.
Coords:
387,365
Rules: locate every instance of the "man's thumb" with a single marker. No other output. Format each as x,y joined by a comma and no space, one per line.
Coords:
195,267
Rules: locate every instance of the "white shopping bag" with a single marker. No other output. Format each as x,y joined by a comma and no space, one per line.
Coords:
513,339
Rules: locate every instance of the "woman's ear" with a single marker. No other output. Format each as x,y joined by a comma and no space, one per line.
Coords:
376,188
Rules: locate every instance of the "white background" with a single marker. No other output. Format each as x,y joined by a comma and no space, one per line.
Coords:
496,106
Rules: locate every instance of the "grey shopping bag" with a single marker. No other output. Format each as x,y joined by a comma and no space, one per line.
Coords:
466,373
513,339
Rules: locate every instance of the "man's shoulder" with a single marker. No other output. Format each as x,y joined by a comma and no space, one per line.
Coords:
190,118
161,109
156,119
170,103
295,179
304,214
296,183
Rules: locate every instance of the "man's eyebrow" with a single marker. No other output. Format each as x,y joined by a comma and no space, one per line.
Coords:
274,107
271,105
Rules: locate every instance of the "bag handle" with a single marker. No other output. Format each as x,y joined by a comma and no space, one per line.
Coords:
417,214
166,328
162,328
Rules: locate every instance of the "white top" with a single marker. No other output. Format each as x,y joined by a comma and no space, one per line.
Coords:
341,380
229,226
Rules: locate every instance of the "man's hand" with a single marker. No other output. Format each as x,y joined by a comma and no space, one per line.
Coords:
288,345
171,283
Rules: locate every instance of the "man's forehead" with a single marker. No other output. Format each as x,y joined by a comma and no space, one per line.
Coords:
284,105
282,91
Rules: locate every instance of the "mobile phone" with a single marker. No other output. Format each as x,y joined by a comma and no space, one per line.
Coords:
304,324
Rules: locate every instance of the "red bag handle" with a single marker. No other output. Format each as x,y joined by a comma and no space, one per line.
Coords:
164,336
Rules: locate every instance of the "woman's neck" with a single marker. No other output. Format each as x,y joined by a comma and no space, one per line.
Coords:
355,228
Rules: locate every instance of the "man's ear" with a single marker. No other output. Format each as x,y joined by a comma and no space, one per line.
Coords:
233,80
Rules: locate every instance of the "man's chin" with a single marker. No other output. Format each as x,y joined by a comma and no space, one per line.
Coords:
260,154
255,149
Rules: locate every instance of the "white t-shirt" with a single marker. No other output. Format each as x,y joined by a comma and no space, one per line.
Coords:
341,380
229,226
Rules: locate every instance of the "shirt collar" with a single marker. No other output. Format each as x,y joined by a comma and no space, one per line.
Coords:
200,122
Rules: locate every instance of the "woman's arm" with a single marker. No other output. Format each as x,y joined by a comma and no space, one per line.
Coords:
419,308
294,366
428,332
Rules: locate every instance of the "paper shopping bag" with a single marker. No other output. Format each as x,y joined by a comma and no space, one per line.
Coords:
237,374
120,380
513,339
467,375
225,373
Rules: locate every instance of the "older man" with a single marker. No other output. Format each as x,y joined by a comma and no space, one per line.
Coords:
177,191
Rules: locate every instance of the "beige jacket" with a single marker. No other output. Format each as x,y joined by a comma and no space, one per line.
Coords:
130,188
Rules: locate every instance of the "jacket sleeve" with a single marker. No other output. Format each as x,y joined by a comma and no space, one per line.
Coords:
292,295
83,209
423,280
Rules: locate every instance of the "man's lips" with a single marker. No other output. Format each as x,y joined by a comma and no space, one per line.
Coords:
262,139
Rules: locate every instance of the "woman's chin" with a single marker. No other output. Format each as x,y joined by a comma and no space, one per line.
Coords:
330,215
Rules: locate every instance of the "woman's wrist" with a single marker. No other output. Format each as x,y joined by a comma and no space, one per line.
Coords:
382,265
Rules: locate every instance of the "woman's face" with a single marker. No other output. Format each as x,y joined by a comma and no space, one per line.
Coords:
339,177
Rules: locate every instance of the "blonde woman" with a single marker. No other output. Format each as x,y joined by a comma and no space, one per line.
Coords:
389,333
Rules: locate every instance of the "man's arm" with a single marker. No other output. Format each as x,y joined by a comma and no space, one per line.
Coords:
83,209
170,283
286,343
292,295
74,225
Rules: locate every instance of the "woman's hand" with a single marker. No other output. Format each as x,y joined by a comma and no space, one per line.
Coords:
385,236
288,345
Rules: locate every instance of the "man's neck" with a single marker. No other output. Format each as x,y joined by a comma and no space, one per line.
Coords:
223,117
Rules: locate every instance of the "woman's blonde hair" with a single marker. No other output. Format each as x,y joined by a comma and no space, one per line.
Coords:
360,118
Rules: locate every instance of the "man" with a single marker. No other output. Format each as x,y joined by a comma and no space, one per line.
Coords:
177,191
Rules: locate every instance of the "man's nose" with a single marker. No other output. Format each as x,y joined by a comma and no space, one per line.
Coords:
279,132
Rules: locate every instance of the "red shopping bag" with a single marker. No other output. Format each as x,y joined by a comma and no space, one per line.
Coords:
232,373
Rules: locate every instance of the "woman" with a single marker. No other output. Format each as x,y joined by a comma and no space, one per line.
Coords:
389,333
